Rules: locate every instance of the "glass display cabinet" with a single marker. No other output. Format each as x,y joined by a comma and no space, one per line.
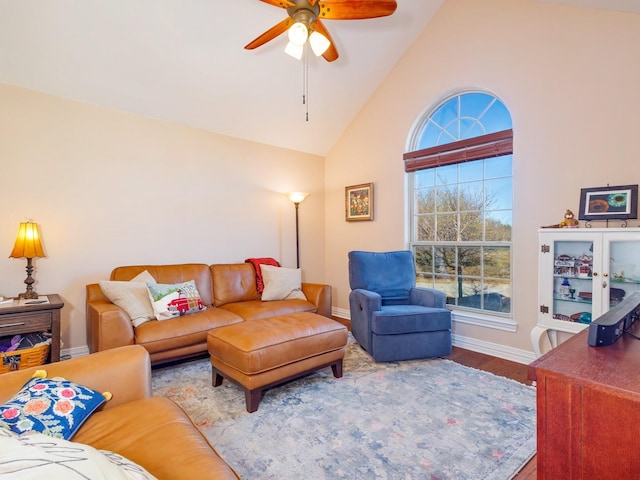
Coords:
582,273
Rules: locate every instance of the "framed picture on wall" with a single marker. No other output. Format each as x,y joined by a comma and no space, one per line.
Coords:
358,202
609,203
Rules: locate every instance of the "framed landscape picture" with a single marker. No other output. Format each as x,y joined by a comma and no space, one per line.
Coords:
358,201
609,203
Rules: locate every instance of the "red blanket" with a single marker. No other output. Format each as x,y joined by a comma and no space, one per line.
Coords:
256,262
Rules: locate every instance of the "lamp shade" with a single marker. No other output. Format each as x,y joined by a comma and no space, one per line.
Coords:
298,33
294,50
27,242
319,43
297,197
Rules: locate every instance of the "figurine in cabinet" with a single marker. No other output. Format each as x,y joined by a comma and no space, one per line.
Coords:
584,270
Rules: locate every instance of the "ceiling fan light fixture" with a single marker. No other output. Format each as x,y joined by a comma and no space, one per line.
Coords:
298,33
294,50
319,43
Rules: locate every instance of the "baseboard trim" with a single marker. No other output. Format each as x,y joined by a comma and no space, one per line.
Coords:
341,312
494,349
67,353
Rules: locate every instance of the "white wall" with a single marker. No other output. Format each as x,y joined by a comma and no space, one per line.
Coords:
108,188
569,76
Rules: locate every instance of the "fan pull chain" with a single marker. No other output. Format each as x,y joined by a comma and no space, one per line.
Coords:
305,81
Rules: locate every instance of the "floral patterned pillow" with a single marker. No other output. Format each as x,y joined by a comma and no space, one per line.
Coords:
53,406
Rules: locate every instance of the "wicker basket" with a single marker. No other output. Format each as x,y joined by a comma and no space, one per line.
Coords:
24,358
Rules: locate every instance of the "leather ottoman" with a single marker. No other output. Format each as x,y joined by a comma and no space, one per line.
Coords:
260,354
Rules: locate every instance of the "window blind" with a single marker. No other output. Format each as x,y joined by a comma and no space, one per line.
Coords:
476,148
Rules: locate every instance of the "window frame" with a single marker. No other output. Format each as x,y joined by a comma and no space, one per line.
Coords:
480,147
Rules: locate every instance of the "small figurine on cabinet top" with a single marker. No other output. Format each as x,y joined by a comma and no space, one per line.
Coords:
568,222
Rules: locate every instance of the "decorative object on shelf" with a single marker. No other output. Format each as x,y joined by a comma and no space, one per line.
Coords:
584,269
297,198
581,317
28,246
565,288
358,202
568,222
609,203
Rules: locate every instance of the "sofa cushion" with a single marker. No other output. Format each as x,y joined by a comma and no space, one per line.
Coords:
36,456
282,283
233,283
399,319
174,300
131,296
182,331
157,434
54,406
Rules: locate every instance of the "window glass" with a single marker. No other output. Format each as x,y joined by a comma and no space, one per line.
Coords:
469,171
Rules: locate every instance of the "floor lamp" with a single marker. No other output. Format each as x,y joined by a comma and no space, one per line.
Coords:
296,198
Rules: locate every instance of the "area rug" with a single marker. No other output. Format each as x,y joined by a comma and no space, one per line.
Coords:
427,419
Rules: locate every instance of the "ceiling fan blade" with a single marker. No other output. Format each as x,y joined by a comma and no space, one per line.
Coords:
331,53
356,9
270,34
279,3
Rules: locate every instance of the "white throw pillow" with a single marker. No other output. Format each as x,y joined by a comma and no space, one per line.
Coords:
132,297
35,456
281,283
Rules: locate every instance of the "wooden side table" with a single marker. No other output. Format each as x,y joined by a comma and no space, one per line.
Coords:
44,317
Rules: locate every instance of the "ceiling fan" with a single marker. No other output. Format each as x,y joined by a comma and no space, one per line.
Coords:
305,22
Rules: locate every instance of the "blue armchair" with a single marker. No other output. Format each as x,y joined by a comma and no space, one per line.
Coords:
391,318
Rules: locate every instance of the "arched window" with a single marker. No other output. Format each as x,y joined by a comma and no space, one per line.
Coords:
461,196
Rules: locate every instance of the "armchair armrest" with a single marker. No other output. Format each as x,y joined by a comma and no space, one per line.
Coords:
427,297
362,304
366,301
320,295
125,372
108,326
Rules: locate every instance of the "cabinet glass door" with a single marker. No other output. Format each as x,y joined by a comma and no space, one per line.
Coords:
573,280
623,277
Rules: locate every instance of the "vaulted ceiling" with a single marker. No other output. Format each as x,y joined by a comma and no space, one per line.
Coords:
183,61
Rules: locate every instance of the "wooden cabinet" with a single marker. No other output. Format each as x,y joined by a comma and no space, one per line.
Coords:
588,410
582,273
15,320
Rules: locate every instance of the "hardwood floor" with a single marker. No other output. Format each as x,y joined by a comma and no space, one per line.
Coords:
498,366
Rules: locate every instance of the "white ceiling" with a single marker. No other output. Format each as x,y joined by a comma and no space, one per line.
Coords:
183,61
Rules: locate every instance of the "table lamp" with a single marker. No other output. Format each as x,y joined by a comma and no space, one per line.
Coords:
28,246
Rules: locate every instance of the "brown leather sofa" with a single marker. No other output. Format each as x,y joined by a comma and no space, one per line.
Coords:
153,432
229,288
